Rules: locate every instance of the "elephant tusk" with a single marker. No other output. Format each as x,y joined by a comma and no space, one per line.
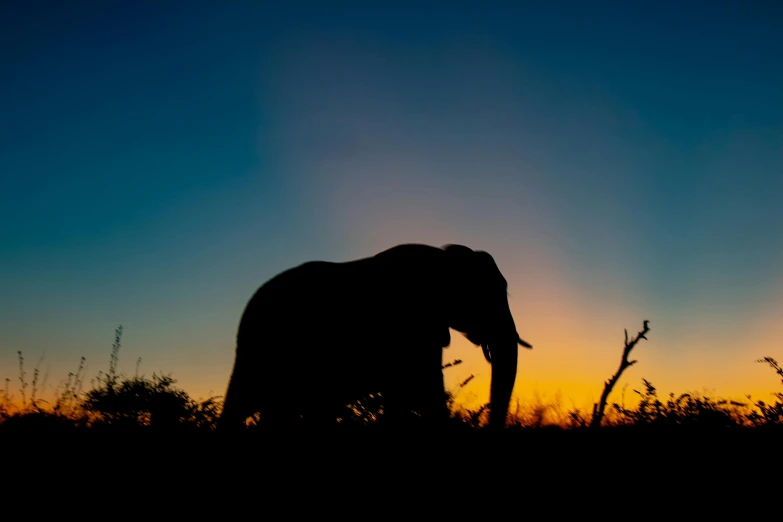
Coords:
523,343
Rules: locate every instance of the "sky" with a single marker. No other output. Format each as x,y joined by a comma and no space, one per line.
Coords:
621,161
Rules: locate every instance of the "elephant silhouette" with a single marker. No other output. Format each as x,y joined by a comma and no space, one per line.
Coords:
323,334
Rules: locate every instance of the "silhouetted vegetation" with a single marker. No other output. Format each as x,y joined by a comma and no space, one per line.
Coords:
138,403
598,409
114,403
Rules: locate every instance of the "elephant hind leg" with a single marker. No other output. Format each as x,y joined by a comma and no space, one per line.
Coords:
235,411
239,402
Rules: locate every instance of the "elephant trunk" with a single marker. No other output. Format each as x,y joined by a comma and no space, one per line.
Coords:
504,374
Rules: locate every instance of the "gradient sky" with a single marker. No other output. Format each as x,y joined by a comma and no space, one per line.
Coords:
623,161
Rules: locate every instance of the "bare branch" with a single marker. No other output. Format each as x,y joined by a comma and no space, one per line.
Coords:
598,409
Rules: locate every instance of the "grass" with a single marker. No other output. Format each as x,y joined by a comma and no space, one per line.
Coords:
141,404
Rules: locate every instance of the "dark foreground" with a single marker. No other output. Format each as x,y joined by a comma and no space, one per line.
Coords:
372,474
605,447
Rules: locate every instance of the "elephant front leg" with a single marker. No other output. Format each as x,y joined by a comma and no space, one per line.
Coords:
430,400
417,397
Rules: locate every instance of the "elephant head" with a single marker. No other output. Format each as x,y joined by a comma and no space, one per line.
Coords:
478,308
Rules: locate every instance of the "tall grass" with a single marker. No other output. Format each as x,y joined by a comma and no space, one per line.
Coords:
113,402
116,402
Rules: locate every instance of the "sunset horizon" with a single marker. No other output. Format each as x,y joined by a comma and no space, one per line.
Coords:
622,163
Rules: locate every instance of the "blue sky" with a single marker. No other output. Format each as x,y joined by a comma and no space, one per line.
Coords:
621,162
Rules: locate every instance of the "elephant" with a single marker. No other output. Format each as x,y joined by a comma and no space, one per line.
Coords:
320,335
